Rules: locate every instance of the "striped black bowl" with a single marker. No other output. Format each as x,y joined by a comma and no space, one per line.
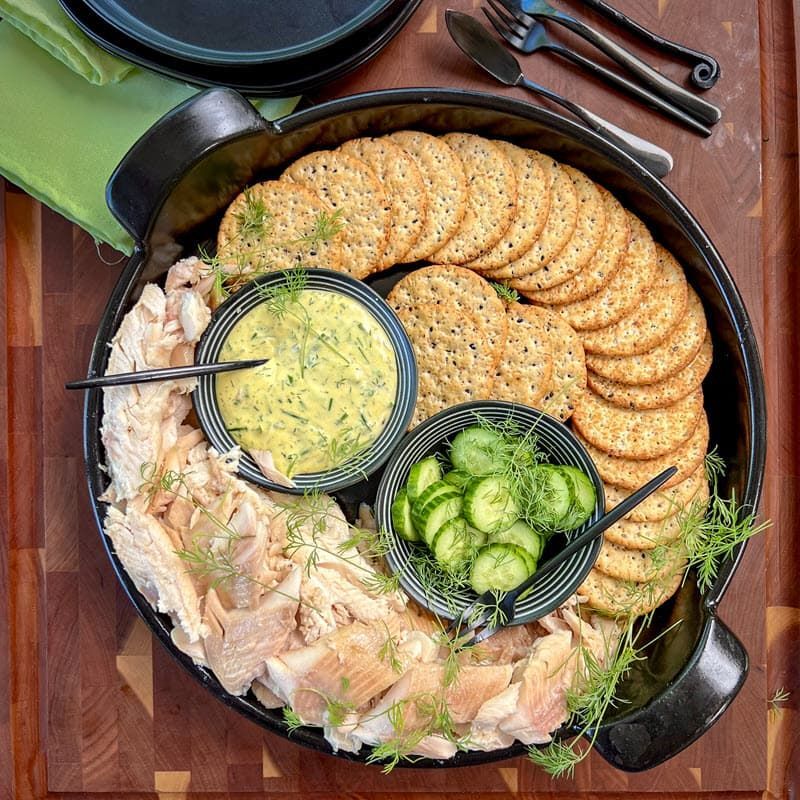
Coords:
434,436
362,464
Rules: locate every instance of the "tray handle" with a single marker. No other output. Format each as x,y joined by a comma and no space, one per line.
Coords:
689,706
169,148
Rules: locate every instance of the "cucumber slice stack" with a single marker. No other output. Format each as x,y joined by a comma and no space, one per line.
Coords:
479,522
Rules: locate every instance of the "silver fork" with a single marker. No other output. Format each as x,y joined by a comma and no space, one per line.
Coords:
531,38
526,11
496,610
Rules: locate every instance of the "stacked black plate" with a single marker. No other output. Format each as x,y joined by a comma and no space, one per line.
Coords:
269,48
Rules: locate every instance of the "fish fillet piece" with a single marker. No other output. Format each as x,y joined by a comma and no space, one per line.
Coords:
148,554
344,666
485,733
141,422
267,698
422,689
240,640
335,590
545,678
191,272
336,595
507,646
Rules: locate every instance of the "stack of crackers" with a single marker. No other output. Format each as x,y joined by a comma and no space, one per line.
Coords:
601,326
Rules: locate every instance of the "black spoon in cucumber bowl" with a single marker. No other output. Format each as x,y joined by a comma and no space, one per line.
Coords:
476,42
492,605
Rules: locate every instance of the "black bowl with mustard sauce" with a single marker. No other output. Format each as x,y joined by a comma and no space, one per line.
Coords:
335,395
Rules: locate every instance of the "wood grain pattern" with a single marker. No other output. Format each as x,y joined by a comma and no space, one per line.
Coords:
96,709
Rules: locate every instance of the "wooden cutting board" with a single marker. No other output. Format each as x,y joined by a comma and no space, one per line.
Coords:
97,706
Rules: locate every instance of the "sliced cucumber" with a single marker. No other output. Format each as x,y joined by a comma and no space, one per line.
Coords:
498,566
479,538
522,535
452,545
458,478
489,506
555,495
401,517
584,495
435,513
478,451
421,476
433,491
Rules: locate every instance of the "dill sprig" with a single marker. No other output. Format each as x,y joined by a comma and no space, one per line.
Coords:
505,292
517,453
292,720
438,583
388,652
326,226
711,535
254,219
432,717
775,703
495,616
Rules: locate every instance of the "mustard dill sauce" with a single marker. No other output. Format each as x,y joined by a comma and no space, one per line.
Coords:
327,390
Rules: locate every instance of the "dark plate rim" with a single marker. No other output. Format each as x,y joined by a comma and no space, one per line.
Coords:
133,28
293,77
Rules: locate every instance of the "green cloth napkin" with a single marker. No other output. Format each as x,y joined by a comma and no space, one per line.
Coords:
61,136
48,25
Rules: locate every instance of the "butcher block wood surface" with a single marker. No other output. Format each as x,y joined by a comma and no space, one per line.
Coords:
95,707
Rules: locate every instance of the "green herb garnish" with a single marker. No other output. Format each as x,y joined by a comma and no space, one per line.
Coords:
505,292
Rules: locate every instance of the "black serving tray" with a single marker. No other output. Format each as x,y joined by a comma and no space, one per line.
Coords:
170,191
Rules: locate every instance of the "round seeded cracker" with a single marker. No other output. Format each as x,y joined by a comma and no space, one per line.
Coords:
663,503
590,227
562,218
455,358
445,190
569,366
628,564
660,310
646,535
663,361
636,434
461,289
627,598
352,190
404,187
270,226
657,395
624,291
491,198
632,473
603,265
523,374
533,205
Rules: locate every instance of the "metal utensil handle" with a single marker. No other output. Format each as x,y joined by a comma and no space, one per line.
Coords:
634,89
705,73
164,374
650,155
702,109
